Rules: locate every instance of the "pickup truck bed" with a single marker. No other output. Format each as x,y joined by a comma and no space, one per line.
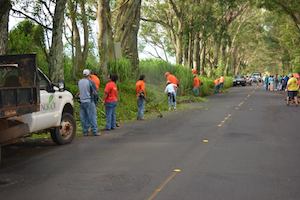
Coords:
19,88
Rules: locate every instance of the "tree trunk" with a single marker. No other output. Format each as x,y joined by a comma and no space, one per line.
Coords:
105,37
80,53
202,69
127,27
191,49
235,60
4,18
56,67
196,53
179,50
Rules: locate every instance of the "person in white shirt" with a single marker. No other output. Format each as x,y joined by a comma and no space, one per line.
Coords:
171,92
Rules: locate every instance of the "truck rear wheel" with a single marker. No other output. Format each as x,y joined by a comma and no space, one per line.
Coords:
66,132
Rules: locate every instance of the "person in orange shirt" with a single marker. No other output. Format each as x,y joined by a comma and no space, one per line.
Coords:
194,71
93,77
141,95
196,85
221,83
110,101
217,85
171,78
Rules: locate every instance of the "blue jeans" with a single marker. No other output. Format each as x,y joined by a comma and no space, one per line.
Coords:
141,108
172,100
88,117
110,111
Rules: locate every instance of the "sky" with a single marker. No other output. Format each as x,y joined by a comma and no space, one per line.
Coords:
13,21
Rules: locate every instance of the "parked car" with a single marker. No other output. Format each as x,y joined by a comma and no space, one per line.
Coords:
249,80
239,80
256,77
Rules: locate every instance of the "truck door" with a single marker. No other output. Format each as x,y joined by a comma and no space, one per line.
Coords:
48,114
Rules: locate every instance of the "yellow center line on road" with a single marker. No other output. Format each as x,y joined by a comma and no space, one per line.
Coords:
241,103
225,119
163,184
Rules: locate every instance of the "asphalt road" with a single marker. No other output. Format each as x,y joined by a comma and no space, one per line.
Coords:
241,145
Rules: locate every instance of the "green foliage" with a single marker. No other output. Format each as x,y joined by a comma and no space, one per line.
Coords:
122,67
207,86
228,82
28,38
155,73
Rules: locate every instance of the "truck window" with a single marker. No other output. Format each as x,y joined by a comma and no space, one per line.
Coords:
44,82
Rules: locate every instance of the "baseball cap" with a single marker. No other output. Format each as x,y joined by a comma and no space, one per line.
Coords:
86,72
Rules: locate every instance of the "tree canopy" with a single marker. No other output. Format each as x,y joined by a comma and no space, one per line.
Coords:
213,36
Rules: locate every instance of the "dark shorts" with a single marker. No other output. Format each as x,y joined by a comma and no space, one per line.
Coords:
292,94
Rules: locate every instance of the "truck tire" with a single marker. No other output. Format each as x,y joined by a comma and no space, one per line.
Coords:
66,132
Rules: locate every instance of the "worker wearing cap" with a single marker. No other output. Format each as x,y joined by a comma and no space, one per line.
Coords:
88,114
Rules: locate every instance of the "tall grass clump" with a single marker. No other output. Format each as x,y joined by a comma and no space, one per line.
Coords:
155,73
228,82
122,67
207,86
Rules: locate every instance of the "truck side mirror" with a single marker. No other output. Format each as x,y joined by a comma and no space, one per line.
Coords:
61,86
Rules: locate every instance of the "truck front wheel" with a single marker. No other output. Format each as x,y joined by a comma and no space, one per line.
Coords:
66,132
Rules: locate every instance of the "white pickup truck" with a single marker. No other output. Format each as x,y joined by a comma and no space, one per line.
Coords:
31,103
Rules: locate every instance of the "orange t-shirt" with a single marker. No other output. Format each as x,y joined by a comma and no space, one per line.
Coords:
197,82
216,81
140,87
172,79
112,92
95,80
221,79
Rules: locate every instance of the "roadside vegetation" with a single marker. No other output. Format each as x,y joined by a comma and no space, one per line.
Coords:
155,84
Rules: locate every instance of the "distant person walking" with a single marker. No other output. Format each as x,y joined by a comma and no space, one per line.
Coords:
170,90
266,82
88,114
141,96
196,85
271,83
285,81
110,101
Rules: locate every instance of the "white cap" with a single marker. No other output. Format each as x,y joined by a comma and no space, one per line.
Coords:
86,72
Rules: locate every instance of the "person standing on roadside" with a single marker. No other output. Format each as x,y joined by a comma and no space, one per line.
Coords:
292,89
95,79
196,85
267,82
140,89
171,92
217,85
271,83
88,114
110,101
